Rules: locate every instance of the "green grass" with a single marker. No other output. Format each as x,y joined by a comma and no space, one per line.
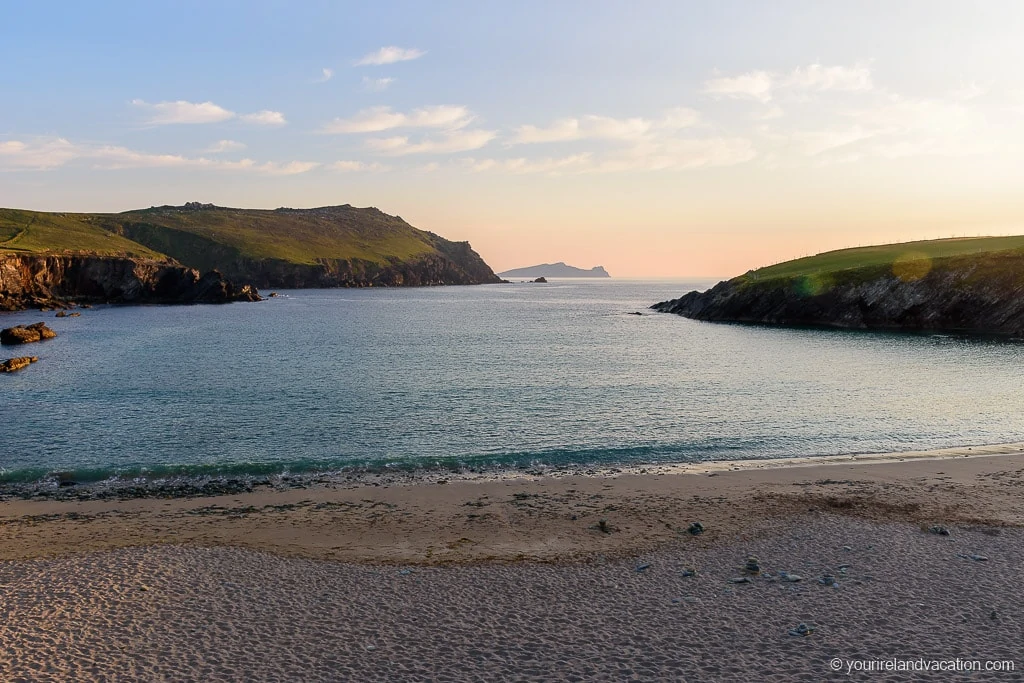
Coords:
296,236
836,263
300,236
61,233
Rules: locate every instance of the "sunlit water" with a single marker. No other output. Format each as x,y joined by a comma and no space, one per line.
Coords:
500,374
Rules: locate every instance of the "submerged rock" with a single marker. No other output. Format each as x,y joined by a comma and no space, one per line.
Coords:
26,334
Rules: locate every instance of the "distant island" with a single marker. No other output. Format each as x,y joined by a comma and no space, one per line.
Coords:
157,255
555,270
971,285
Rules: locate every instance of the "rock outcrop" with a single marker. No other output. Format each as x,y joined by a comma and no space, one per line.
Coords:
972,294
30,280
26,334
15,364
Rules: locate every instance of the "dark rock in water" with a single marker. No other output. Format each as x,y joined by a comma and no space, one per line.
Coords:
15,364
273,295
696,528
542,280
752,565
61,314
939,530
741,579
26,334
688,572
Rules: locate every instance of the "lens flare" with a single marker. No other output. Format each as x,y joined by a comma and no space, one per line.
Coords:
911,266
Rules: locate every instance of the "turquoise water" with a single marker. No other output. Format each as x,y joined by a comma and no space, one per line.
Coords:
488,375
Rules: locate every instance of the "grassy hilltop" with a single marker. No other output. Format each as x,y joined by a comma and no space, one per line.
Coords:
327,246
888,256
969,285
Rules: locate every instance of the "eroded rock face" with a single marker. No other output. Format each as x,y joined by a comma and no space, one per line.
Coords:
959,294
26,334
15,364
29,281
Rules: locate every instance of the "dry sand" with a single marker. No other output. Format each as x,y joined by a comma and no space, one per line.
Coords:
513,579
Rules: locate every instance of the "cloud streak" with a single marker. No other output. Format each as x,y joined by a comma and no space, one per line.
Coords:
762,86
377,84
184,112
448,143
48,154
377,119
390,55
592,127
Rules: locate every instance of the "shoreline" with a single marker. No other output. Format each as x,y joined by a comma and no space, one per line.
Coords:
533,516
60,485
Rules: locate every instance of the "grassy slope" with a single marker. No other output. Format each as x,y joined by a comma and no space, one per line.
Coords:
39,233
845,262
297,236
305,236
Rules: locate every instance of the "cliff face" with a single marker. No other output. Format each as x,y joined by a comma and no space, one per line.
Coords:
29,280
980,294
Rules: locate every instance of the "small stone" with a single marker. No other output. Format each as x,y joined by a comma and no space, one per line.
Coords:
643,567
790,578
404,572
828,580
801,630
939,530
741,579
689,571
696,529
847,548
752,565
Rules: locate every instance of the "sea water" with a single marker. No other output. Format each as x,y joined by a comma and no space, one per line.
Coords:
495,375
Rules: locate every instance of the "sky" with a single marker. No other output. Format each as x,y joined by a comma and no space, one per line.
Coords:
658,139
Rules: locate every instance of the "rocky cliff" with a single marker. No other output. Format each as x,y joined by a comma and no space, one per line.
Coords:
975,293
35,280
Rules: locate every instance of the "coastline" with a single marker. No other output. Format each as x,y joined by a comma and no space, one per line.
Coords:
548,516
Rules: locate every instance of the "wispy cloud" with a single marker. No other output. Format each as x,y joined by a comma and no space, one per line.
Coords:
326,74
265,118
184,112
448,143
664,155
46,154
762,86
352,166
377,84
378,119
222,146
755,85
37,154
605,127
390,55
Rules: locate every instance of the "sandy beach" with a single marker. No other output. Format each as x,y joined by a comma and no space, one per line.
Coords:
531,577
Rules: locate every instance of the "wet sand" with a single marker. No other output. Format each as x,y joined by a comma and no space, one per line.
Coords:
515,579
